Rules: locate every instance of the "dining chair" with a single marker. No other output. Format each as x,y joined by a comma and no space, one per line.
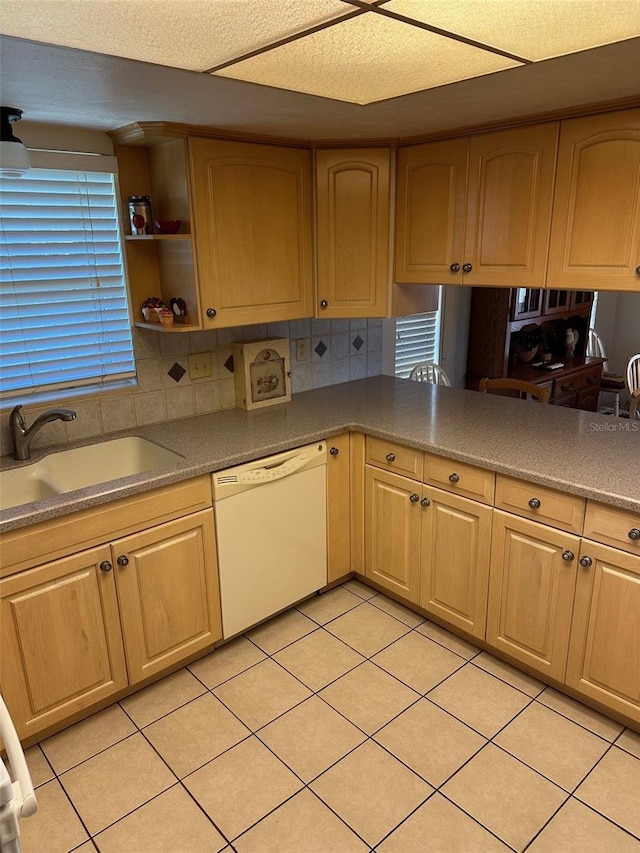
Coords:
610,383
429,371
633,385
504,383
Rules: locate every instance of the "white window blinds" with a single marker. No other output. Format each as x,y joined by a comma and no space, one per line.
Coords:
417,339
64,316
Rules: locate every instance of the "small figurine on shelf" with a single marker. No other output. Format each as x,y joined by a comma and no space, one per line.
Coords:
166,316
150,309
570,342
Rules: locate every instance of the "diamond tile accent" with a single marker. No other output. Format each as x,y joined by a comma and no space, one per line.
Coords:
321,348
176,372
358,343
229,364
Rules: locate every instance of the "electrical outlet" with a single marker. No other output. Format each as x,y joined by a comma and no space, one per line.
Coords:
200,365
302,349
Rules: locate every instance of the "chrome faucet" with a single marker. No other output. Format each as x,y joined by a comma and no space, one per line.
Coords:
22,436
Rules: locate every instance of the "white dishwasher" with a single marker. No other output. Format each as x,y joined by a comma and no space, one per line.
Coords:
271,530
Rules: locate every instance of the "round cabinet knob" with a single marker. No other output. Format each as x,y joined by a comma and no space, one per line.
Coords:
123,561
534,503
467,267
637,270
568,556
211,312
634,534
324,303
425,502
586,562
390,457
334,451
105,566
455,267
414,498
454,478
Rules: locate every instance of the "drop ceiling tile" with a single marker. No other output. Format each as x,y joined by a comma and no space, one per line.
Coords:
532,29
194,35
367,58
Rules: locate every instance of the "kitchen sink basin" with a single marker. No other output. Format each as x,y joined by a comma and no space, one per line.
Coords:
82,467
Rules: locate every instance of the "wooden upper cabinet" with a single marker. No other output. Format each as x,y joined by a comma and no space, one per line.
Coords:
352,232
430,205
252,224
595,236
508,209
477,210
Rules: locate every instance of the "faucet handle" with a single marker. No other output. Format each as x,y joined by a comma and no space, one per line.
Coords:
16,416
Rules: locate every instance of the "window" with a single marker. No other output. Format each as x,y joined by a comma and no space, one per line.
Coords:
417,339
64,315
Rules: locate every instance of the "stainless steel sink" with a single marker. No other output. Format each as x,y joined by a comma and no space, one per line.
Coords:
82,467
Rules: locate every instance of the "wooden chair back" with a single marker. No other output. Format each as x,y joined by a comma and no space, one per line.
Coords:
540,394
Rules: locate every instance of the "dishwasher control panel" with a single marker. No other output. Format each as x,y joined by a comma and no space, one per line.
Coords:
263,471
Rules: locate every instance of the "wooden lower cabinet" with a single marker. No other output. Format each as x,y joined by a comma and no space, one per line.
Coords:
169,597
78,630
531,586
604,649
456,541
338,507
428,546
392,532
62,648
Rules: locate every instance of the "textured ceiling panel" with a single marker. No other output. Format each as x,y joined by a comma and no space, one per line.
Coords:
192,34
366,59
532,29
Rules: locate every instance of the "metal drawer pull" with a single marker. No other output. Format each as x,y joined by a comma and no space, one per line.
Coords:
534,503
123,561
634,534
105,566
425,502
391,457
586,562
454,478
568,556
334,451
324,303
211,312
414,498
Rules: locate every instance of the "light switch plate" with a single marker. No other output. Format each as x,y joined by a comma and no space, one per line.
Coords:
200,365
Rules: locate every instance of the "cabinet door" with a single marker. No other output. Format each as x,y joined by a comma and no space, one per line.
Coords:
509,206
392,532
167,580
531,592
252,225
352,232
338,508
604,649
595,235
61,641
456,538
430,203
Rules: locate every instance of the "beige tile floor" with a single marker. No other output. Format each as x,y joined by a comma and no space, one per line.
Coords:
347,724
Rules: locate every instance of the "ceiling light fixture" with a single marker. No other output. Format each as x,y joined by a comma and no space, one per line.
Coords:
14,157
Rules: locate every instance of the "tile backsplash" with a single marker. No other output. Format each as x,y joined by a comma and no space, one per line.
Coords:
335,351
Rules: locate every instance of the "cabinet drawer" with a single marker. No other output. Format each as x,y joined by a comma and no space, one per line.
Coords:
613,526
590,378
540,503
459,478
566,385
394,457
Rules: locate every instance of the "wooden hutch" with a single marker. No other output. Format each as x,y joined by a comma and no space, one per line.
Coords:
498,316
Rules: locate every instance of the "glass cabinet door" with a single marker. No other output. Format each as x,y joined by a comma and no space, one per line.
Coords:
526,302
556,301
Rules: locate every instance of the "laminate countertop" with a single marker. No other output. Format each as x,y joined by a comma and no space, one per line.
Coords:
583,453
